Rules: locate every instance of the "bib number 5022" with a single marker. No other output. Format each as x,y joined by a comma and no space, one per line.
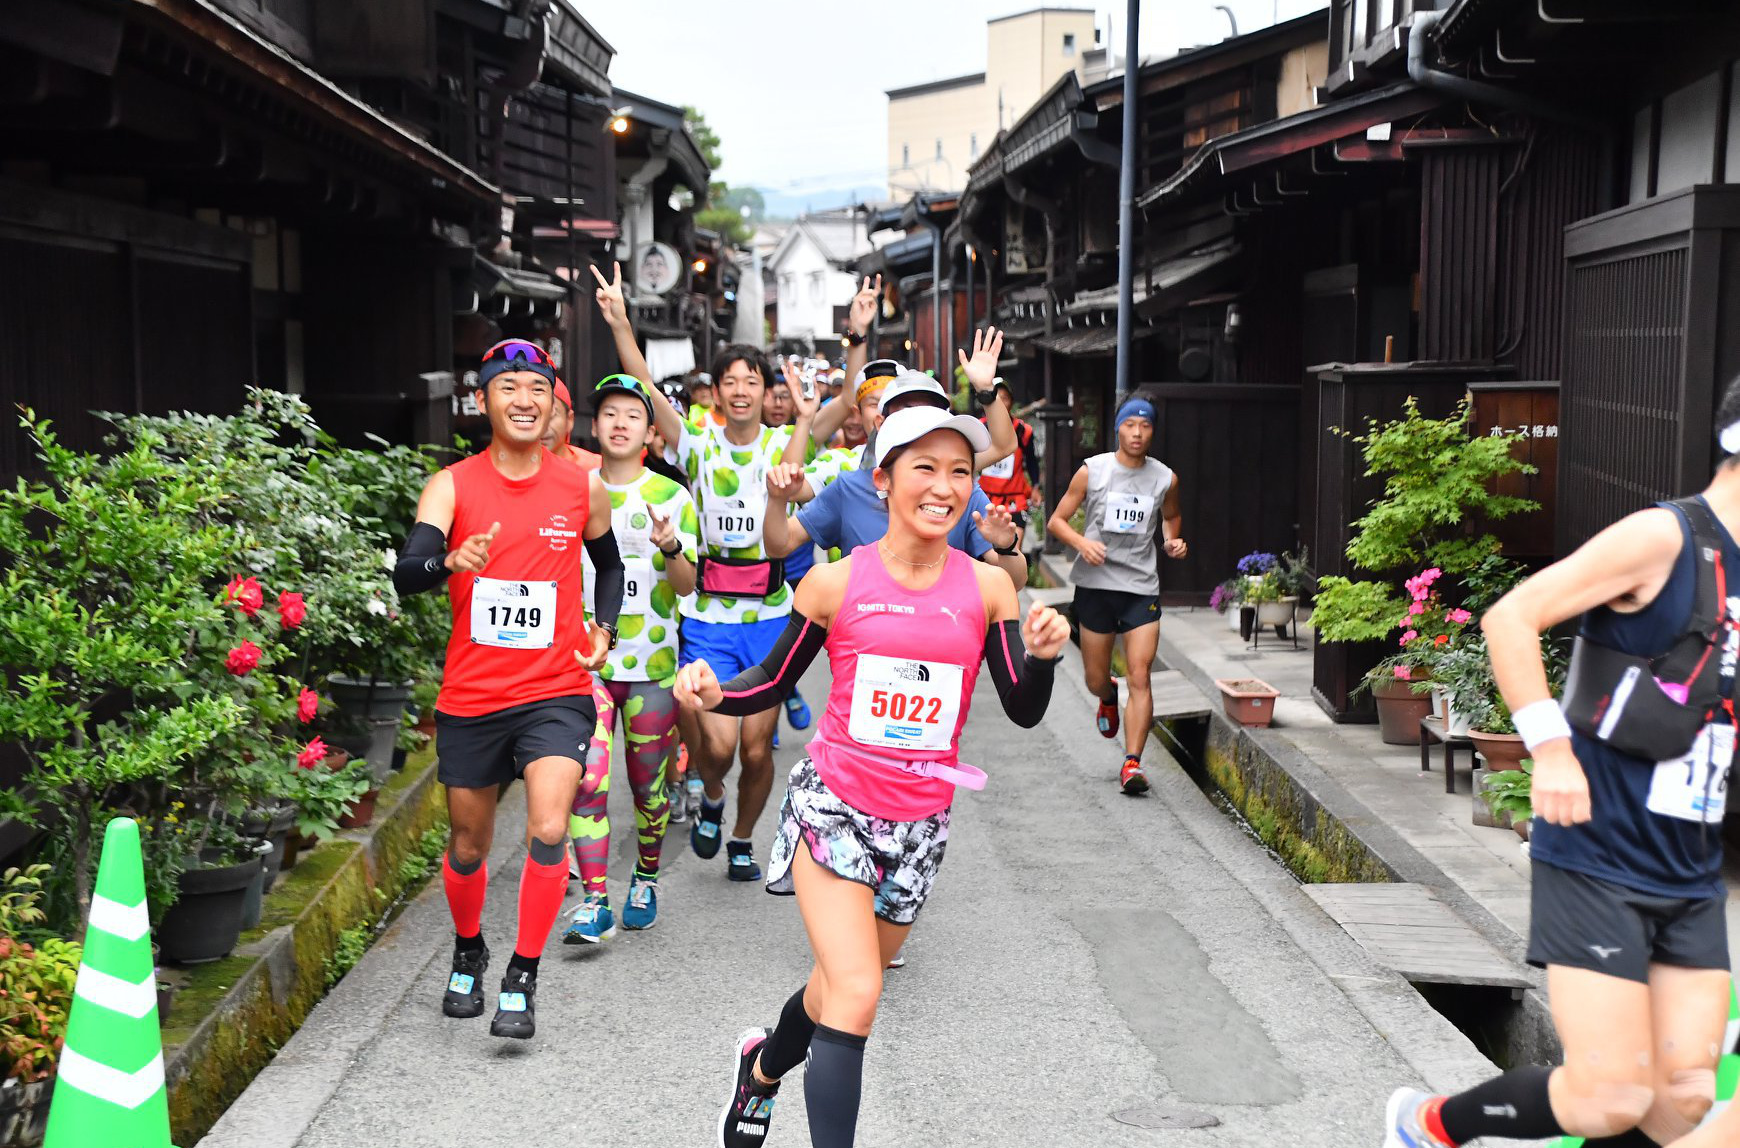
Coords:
905,707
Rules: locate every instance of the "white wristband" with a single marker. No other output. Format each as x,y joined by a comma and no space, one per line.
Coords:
1541,722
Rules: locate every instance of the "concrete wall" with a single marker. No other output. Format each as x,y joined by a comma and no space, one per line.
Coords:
1025,55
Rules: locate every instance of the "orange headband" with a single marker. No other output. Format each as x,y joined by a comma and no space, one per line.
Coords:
870,386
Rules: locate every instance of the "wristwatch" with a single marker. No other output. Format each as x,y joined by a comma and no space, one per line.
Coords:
673,551
609,628
853,338
1014,547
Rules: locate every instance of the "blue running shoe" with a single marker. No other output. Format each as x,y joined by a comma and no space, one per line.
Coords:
797,711
643,903
741,865
775,737
592,923
1402,1125
705,834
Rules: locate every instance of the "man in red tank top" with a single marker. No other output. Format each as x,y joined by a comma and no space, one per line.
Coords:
516,698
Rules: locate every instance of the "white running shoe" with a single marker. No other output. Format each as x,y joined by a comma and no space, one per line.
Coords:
1402,1127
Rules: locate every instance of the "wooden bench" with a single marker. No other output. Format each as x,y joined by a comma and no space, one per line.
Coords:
1432,733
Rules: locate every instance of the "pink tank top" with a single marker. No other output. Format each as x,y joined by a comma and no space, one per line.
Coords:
904,663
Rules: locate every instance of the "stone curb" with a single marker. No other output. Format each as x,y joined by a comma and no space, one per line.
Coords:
239,1011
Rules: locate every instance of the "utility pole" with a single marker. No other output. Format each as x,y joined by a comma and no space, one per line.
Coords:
1127,204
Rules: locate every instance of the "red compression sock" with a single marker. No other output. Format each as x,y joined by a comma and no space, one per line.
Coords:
465,896
541,890
1432,1116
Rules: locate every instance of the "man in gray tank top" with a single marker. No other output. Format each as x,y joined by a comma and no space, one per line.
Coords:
1130,502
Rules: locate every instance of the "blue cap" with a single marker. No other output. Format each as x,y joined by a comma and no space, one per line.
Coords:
1135,409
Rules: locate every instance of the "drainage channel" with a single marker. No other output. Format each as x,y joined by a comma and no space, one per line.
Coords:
1491,1017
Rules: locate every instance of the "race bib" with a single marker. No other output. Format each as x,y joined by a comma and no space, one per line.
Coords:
732,522
903,704
1695,787
513,615
1126,513
637,585
1002,468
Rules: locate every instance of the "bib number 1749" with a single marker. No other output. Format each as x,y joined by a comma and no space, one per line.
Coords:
529,617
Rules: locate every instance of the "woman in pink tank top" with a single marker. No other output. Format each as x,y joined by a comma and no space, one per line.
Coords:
906,623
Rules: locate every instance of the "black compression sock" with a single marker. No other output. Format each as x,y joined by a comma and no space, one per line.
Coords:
530,964
833,1084
468,944
790,1042
1633,1139
1515,1106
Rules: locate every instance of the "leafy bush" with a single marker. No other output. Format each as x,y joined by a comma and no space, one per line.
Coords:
36,980
1510,791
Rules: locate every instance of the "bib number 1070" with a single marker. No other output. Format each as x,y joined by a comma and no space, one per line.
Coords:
897,706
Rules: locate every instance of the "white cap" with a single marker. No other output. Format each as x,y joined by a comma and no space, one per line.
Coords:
913,423
912,382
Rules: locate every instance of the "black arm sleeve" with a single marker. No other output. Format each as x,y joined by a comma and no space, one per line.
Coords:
607,589
1023,681
761,687
422,562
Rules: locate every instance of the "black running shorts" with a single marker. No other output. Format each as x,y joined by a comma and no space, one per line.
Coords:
1114,611
493,749
1583,922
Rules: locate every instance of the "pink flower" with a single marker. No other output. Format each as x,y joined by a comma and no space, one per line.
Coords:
1427,577
1410,636
246,594
1404,674
1417,609
307,705
243,658
1459,616
312,754
291,609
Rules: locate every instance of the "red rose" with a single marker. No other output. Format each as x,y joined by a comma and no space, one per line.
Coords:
246,594
243,658
307,705
291,609
312,754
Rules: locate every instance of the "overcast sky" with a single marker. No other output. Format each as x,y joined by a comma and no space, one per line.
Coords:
792,118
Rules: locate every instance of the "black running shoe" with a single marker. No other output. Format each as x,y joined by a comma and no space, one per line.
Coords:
748,1112
464,999
514,1015
740,861
705,834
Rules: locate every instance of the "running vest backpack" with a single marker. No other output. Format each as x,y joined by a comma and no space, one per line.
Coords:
1654,708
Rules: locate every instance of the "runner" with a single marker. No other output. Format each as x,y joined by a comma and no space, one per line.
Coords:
865,821
653,519
559,439
1012,481
741,602
1131,503
516,697
1629,787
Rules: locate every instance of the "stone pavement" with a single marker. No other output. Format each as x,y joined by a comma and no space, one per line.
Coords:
1084,954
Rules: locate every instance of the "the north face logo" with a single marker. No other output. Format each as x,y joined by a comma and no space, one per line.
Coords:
912,671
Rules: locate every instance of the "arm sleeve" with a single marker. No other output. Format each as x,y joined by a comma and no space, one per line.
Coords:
761,687
422,562
820,516
1023,681
608,585
1029,462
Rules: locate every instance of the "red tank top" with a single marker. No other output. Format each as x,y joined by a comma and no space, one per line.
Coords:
516,626
1006,481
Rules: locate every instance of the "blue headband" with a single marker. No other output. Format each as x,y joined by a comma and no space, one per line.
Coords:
1135,409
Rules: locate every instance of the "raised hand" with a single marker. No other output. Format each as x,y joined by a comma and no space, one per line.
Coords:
473,554
609,295
997,525
664,530
1175,548
785,481
981,369
697,687
600,651
803,406
1044,631
862,310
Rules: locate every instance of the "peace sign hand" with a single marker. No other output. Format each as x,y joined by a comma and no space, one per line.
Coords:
473,554
609,296
981,369
664,530
804,406
862,310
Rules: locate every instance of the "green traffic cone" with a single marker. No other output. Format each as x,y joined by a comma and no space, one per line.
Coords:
109,1089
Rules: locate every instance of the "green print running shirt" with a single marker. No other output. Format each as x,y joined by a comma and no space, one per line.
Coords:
646,631
831,464
730,487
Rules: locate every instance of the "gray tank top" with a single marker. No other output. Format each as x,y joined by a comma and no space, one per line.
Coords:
1122,510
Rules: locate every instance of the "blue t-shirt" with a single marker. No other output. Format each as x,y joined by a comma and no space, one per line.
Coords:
847,514
1628,839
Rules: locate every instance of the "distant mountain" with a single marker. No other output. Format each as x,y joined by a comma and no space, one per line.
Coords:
790,205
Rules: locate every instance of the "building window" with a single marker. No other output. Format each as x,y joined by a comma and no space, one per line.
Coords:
905,156
973,145
939,149
1069,43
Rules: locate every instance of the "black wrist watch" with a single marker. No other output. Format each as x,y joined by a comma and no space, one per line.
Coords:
673,551
609,628
853,338
1014,548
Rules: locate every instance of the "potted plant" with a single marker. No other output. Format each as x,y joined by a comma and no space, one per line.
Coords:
1226,599
205,921
1248,701
1508,794
328,786
1298,581
37,974
1438,478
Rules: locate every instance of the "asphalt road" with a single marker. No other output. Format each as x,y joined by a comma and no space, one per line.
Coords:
1084,954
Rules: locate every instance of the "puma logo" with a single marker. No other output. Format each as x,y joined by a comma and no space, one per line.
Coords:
1603,953
954,615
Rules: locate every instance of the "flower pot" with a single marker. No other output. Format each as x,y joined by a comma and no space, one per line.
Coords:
362,811
1456,723
1522,827
165,999
24,1112
426,721
370,698
206,919
1483,814
1248,701
1400,710
1276,613
1232,618
399,756
253,900
275,830
1501,750
383,741
1247,621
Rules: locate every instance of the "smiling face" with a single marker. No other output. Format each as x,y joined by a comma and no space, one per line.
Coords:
560,432
740,392
776,408
852,430
520,405
929,483
1134,435
621,426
